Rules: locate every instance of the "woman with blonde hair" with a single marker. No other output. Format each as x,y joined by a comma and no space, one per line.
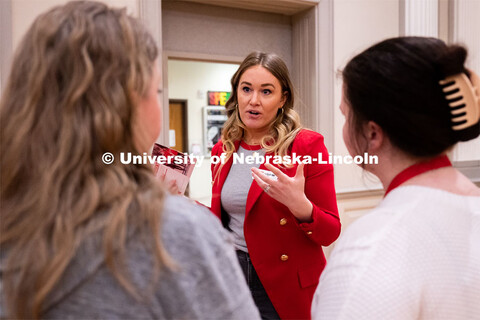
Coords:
81,238
282,218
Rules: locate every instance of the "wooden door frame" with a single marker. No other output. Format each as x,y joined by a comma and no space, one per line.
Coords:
184,103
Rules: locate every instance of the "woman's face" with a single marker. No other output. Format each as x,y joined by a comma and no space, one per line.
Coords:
259,98
150,113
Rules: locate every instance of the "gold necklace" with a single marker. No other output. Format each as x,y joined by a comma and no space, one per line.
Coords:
247,147
251,143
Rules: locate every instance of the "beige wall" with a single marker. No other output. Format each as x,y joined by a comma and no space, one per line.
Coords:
205,29
466,25
24,12
190,80
20,16
357,25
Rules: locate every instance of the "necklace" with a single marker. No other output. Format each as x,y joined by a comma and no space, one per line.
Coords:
416,169
253,143
249,147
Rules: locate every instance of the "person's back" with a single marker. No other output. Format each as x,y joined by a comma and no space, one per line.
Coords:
204,285
409,100
81,236
408,259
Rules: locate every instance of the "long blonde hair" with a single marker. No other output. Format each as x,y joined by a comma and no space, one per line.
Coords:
286,125
69,99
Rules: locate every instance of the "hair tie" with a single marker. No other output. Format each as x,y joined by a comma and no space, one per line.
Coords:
463,97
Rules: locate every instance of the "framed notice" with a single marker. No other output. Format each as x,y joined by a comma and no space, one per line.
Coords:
213,120
217,98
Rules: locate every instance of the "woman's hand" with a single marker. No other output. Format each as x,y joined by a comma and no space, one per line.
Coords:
172,187
287,190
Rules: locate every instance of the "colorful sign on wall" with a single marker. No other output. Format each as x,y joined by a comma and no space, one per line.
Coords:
218,98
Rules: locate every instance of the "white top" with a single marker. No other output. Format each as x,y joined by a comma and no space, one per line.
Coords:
234,195
416,256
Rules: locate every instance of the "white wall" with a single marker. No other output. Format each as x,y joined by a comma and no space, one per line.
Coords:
24,12
357,25
190,80
466,26
18,15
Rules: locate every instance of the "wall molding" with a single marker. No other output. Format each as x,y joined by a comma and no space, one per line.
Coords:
150,13
464,25
304,66
313,68
471,169
6,50
325,72
419,18
359,194
190,56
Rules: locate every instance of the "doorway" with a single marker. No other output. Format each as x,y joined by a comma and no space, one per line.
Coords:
190,82
178,125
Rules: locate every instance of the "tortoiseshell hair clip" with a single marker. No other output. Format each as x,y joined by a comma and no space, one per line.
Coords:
463,97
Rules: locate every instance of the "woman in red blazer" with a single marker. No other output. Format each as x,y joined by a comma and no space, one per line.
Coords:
282,217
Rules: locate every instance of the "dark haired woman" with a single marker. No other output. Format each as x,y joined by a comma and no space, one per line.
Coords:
417,255
281,219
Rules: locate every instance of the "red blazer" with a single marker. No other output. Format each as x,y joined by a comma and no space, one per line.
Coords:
287,254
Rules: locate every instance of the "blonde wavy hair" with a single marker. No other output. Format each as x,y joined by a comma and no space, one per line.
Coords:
286,125
69,98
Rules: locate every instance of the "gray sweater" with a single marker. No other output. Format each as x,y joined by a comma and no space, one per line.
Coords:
208,285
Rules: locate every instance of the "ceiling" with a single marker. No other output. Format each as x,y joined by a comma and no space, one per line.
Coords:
286,7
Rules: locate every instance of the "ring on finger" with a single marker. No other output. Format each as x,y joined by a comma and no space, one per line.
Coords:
267,187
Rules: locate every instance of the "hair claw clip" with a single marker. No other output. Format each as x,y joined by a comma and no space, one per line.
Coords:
463,97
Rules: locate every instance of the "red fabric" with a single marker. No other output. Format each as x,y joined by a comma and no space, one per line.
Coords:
416,169
290,284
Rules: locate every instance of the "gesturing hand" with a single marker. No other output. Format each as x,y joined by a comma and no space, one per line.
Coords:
286,190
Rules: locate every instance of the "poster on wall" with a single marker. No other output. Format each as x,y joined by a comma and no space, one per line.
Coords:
214,118
217,98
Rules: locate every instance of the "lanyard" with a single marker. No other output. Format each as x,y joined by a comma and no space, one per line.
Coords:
418,168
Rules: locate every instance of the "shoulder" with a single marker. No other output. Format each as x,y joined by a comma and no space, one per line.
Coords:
411,213
217,148
308,141
308,136
370,228
190,228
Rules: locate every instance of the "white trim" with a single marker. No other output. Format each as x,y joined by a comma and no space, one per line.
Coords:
463,23
6,51
444,19
150,12
203,57
304,66
470,169
285,7
313,68
359,193
419,18
325,72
